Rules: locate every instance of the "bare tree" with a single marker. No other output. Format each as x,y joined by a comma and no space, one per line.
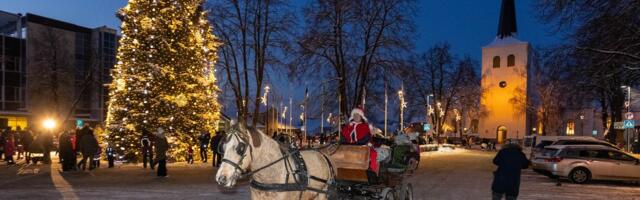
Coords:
604,48
355,41
255,35
453,84
52,80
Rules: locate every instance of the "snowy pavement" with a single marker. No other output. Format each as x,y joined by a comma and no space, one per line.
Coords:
467,174
458,174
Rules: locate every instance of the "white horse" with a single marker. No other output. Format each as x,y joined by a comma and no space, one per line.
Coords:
275,173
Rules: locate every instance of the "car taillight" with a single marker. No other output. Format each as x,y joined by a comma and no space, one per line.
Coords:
553,159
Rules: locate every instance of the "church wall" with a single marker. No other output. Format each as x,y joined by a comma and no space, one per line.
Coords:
504,106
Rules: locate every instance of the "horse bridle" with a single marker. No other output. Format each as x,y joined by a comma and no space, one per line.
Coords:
241,149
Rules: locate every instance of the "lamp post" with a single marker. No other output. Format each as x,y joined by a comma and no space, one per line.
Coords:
403,104
428,108
581,125
265,101
628,105
322,103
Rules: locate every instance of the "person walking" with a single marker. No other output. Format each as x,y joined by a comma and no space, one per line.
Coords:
161,152
95,163
110,155
9,147
506,179
215,143
67,154
204,142
147,149
88,145
190,155
27,139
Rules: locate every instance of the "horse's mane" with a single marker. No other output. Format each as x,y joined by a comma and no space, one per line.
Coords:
254,133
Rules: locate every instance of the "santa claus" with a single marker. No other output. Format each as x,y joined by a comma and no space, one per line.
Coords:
358,132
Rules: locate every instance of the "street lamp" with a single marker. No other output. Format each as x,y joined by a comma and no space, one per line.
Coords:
265,101
628,105
403,105
581,125
428,107
49,124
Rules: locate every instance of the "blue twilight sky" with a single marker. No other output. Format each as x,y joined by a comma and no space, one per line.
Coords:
466,24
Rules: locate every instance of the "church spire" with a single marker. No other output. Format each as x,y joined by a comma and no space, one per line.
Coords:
507,24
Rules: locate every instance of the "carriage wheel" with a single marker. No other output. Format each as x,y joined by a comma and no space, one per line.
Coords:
388,194
407,192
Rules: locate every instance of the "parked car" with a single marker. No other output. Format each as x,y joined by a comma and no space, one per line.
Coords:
535,143
582,163
578,141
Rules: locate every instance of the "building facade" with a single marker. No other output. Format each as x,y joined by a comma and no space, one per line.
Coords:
505,89
58,70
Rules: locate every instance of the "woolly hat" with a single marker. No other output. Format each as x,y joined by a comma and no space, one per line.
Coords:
160,132
359,112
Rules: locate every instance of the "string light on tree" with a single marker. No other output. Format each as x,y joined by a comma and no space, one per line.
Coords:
164,75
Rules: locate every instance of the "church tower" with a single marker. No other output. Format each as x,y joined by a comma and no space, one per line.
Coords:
505,64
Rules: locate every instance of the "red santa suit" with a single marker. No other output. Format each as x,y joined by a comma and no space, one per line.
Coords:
359,133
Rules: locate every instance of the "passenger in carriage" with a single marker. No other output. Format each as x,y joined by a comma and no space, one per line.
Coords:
358,132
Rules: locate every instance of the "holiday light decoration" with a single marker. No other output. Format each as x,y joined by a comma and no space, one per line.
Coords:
164,76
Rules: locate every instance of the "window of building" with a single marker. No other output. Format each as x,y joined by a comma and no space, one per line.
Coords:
571,127
496,62
511,60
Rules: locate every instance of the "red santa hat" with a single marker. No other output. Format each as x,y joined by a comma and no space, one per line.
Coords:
360,112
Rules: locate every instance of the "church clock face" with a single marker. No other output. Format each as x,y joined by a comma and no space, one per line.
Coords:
503,84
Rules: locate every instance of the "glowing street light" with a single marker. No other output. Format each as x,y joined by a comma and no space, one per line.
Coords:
403,105
49,124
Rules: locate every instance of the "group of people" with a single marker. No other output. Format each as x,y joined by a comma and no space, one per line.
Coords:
80,141
23,142
157,144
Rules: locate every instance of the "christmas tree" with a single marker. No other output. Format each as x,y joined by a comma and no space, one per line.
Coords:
164,76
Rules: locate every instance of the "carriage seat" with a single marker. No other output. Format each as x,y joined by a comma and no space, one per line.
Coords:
351,162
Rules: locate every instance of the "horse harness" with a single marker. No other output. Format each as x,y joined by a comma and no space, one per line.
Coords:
300,175
291,157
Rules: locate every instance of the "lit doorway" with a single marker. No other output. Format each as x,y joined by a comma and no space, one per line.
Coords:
501,134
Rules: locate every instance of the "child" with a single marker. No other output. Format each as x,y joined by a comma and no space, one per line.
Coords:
190,155
110,155
96,158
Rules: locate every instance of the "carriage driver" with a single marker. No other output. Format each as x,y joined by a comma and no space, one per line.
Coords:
358,132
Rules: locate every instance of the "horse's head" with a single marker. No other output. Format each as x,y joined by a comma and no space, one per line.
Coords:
236,150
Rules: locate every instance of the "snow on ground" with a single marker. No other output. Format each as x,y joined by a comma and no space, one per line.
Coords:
467,174
456,174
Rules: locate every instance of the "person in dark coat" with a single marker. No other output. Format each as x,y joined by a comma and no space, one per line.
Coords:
204,142
67,154
162,146
88,145
27,139
215,143
147,149
506,179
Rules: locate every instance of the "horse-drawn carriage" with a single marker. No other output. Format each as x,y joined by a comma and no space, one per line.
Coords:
354,179
332,172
